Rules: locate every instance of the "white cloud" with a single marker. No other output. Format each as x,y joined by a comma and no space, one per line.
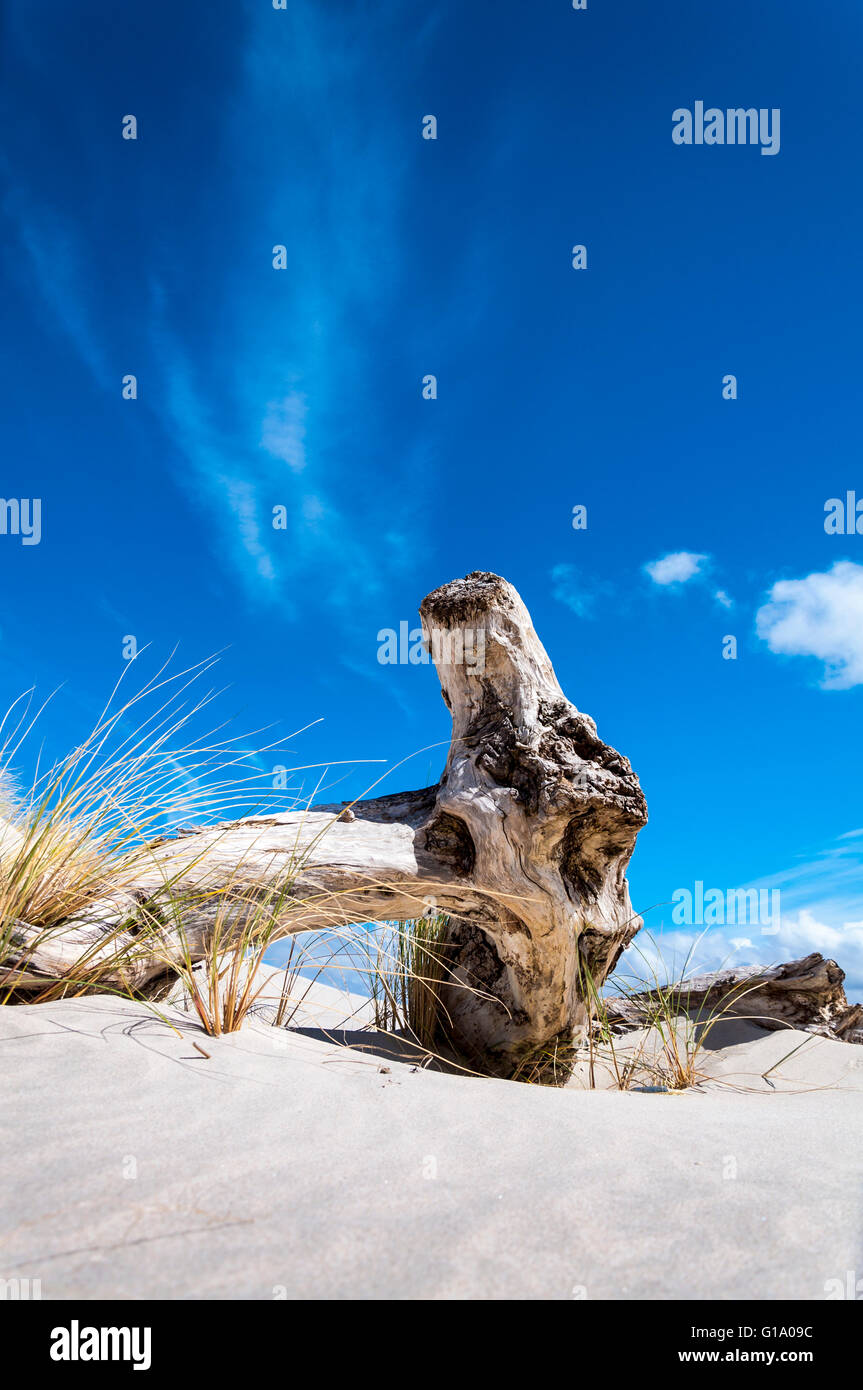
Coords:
666,954
819,616
723,598
676,568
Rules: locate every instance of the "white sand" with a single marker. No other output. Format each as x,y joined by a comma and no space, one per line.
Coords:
285,1165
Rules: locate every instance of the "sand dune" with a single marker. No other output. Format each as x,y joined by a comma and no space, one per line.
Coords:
285,1165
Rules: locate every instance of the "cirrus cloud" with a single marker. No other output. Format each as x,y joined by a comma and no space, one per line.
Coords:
568,587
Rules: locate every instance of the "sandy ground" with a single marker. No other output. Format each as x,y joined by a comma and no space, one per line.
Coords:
284,1165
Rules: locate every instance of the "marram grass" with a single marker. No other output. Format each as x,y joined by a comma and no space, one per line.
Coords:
409,971
84,830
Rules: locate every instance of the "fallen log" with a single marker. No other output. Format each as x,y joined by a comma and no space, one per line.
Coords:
807,994
524,843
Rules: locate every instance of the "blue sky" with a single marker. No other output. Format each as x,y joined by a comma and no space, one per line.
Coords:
556,387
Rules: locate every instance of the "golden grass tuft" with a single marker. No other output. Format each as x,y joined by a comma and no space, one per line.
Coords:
84,830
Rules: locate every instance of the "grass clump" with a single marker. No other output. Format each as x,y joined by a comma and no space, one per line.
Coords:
674,1029
409,971
81,837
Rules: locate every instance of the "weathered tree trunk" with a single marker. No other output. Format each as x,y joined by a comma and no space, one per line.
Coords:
524,843
805,994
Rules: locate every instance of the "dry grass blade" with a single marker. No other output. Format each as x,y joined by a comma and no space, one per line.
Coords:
83,831
409,970
674,1031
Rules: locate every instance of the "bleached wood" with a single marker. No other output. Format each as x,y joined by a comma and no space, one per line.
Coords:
524,842
807,994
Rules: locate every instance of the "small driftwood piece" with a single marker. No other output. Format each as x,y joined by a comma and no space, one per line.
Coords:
807,994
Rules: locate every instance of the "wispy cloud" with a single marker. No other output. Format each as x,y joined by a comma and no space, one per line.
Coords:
284,430
820,909
288,387
569,587
56,267
265,390
830,884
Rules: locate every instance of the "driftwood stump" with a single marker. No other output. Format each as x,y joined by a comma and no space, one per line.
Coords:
524,843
